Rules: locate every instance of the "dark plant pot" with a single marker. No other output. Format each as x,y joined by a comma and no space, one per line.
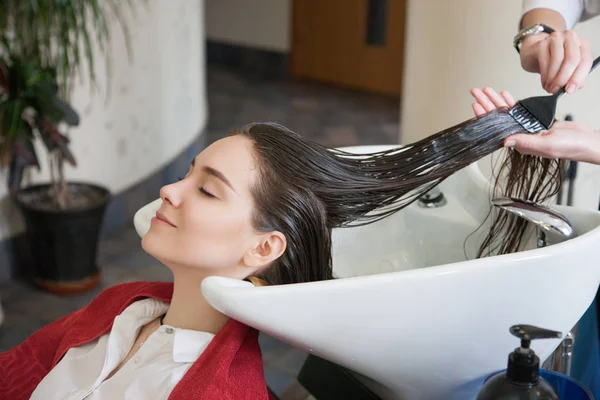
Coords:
64,243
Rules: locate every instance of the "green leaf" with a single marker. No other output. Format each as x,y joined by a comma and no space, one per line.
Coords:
89,50
69,115
16,120
24,156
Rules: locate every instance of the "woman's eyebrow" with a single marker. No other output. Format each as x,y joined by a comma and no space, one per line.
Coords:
216,173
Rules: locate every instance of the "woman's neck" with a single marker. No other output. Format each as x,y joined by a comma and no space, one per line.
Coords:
189,309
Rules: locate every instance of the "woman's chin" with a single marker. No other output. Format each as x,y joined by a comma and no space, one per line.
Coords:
145,242
150,244
155,247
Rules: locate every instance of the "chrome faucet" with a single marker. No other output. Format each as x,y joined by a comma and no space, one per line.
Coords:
552,227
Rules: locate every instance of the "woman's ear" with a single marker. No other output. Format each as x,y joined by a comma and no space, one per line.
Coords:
269,247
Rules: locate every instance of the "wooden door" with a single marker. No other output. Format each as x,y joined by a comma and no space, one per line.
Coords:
352,43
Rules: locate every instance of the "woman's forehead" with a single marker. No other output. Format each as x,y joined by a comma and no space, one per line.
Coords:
233,157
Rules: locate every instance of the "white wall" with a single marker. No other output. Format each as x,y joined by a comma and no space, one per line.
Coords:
453,46
263,24
156,108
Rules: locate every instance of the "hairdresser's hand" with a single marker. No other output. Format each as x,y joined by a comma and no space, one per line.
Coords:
565,139
568,140
561,59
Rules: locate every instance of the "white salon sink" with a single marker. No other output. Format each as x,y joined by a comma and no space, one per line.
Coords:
410,314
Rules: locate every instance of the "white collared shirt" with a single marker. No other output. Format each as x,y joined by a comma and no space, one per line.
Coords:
151,373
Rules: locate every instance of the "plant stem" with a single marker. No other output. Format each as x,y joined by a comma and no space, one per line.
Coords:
58,179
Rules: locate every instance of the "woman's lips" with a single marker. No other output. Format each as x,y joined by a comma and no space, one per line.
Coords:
160,218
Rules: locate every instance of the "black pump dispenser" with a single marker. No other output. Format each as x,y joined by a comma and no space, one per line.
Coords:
521,381
523,364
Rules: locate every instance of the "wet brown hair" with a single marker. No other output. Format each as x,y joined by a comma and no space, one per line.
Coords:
523,177
305,190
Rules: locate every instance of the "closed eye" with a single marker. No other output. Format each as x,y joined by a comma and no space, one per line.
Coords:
207,194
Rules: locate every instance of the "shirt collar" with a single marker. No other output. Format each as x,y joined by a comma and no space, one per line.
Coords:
189,344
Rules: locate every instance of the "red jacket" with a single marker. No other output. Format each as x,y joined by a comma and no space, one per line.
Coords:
230,367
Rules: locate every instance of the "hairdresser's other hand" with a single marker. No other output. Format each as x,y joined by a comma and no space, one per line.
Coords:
487,100
568,140
561,59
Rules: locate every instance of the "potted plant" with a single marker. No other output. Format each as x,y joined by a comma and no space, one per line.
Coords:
63,219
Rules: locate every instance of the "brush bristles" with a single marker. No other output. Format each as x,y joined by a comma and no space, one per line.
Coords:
526,119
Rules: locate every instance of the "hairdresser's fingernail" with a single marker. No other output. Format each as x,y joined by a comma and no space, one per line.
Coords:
555,89
510,143
571,88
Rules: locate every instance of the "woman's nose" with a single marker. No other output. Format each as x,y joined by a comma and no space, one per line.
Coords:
171,194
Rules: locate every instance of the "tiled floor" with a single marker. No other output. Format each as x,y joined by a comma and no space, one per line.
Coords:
330,116
333,117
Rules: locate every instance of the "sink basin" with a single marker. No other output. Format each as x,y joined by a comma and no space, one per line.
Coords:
413,313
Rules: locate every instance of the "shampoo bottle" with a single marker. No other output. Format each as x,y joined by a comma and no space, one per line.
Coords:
521,380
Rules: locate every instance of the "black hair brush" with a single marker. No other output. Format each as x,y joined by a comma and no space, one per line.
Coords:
537,114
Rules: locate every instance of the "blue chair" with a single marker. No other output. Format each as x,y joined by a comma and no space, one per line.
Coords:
585,365
566,387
